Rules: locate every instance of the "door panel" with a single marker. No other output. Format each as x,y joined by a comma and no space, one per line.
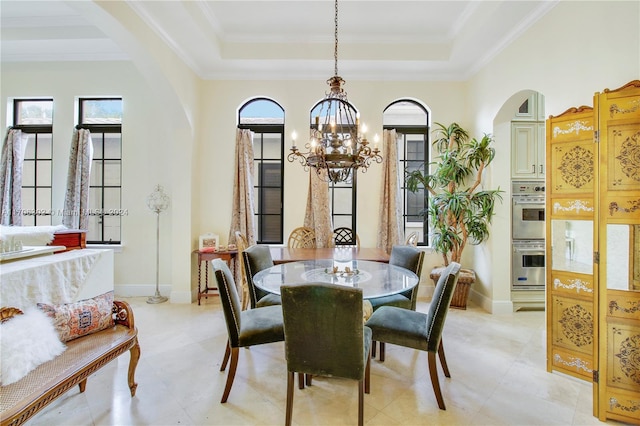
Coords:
619,227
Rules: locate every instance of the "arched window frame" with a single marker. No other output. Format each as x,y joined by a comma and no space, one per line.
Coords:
268,171
414,205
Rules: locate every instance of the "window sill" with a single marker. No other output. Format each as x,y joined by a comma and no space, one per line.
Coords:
117,248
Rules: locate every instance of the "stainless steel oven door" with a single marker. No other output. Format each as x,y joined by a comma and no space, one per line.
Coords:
528,218
528,265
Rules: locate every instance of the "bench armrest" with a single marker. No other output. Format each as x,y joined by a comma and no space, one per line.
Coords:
123,313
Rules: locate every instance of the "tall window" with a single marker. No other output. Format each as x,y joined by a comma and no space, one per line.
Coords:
411,122
103,118
342,195
35,118
265,118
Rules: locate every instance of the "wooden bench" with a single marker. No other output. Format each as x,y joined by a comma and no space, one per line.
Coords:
21,400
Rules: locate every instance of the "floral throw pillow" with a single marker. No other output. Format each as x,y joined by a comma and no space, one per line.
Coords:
77,319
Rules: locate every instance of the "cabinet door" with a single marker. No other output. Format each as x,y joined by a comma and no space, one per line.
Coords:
524,150
540,150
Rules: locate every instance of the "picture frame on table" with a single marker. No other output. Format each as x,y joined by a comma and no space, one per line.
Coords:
208,241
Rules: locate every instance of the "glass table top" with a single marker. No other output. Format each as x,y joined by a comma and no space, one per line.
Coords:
376,279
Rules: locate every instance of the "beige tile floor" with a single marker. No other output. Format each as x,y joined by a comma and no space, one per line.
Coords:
497,366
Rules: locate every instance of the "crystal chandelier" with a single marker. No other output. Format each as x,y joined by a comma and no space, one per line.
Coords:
338,144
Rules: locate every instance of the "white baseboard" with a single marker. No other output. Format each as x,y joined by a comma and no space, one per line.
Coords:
140,290
144,290
495,307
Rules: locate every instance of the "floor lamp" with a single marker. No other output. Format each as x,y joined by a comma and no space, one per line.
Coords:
157,201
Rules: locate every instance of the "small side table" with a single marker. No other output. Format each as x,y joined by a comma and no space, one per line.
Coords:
206,257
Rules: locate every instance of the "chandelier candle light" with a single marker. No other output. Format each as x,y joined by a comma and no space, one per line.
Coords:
157,202
339,143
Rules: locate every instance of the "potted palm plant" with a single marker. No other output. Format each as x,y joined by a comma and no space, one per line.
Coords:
459,211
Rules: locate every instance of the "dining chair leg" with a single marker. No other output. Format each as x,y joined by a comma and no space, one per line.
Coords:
373,348
307,378
300,380
443,360
382,345
433,372
225,359
367,375
289,409
361,402
235,352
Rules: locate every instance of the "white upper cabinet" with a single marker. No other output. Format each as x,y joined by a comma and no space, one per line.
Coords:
528,139
527,150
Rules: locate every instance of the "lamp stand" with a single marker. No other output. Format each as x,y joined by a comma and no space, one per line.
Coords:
157,298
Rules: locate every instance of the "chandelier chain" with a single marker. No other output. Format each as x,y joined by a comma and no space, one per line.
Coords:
335,45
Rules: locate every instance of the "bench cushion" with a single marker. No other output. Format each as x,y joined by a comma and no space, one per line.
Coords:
27,341
73,320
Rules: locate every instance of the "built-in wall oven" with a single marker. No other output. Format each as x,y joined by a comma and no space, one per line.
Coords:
528,233
528,268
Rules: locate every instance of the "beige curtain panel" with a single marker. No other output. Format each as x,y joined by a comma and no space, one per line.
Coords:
390,230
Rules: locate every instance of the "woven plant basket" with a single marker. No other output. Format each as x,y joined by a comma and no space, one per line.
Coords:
461,294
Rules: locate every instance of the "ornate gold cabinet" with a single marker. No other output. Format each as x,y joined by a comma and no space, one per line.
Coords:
593,247
572,160
619,224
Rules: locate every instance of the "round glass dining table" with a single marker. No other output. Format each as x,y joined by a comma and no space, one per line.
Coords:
376,279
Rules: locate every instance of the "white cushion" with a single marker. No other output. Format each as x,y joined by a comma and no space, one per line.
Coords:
27,341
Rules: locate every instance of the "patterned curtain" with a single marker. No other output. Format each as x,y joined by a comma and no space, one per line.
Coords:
76,200
15,143
317,214
243,203
390,230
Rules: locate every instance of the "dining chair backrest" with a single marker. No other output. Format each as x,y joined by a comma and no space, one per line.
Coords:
256,258
344,236
411,258
302,237
412,239
229,299
323,330
439,306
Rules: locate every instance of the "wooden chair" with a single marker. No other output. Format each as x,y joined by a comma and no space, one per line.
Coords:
417,330
255,259
302,237
324,336
245,328
344,236
412,239
241,244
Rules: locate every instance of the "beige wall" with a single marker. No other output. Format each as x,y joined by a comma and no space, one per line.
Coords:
179,131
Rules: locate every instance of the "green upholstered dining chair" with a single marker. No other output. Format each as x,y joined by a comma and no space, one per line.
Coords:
246,328
418,330
410,258
256,258
324,336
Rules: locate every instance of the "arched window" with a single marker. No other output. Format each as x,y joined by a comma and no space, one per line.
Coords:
342,195
265,118
411,121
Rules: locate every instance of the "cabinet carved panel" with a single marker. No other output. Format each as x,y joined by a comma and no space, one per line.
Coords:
624,160
623,369
573,208
573,284
573,324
